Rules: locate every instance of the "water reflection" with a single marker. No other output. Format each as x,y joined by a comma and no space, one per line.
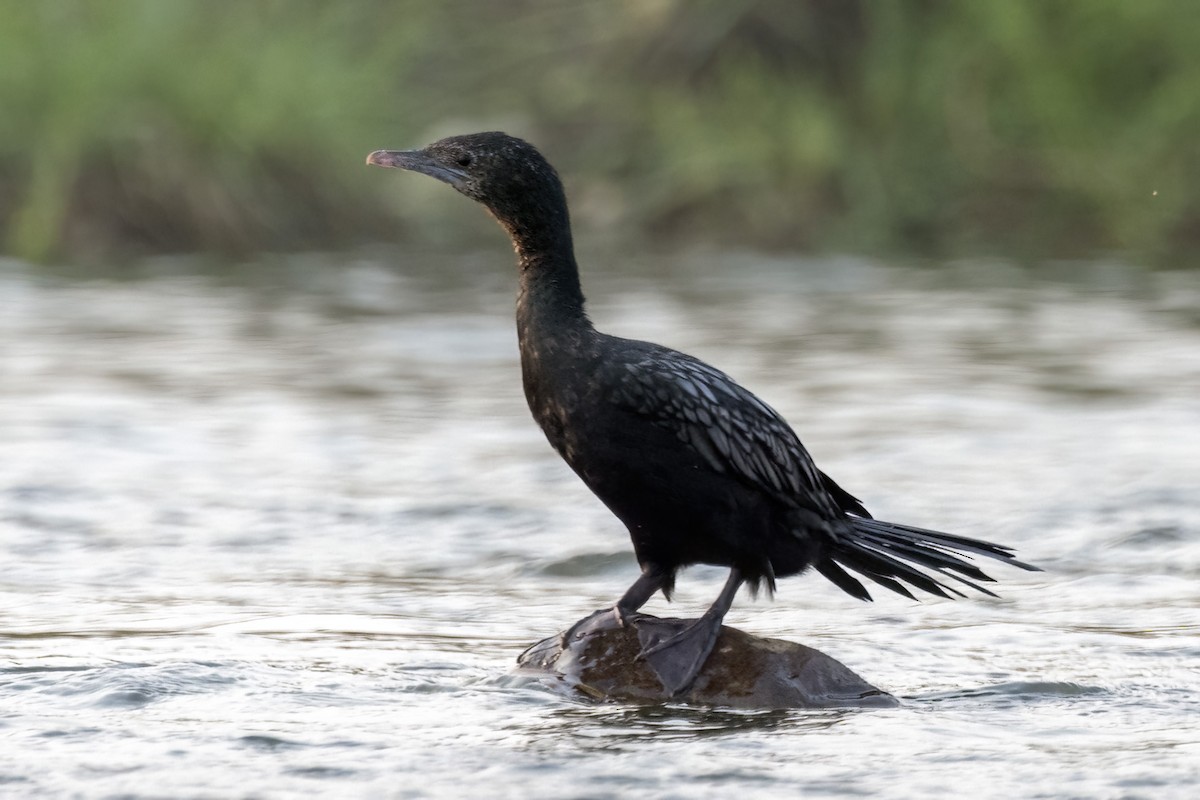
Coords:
618,725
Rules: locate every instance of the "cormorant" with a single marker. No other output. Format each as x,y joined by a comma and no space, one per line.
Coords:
697,468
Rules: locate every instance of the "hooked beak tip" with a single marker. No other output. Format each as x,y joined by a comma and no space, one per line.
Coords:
381,158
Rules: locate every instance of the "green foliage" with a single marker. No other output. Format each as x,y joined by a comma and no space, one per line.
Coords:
182,123
1063,128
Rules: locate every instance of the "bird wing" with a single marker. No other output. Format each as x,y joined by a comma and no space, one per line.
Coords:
734,431
846,501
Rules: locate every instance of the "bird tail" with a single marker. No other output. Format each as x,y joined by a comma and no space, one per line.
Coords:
890,554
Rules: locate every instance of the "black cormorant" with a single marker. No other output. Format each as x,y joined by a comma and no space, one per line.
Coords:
697,468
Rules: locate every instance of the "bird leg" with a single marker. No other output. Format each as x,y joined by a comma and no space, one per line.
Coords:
678,659
649,582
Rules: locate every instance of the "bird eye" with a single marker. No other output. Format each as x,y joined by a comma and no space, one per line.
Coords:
463,160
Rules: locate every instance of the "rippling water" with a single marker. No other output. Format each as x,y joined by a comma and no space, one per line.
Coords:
282,531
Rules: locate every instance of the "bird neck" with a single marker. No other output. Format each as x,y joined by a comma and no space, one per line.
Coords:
550,304
553,331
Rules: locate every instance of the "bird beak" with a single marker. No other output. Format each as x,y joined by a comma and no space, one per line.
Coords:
417,161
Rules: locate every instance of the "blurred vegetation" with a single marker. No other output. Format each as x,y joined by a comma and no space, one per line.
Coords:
1044,128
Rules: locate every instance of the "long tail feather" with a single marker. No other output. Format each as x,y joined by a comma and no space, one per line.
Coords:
890,554
842,579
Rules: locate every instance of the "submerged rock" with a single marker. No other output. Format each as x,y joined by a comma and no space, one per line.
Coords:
599,658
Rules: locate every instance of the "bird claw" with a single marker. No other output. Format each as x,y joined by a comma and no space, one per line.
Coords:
621,616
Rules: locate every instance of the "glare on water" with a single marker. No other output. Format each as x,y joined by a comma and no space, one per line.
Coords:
282,531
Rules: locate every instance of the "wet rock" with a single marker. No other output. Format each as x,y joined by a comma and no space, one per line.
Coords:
598,657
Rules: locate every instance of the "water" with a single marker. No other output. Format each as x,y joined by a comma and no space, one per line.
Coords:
282,531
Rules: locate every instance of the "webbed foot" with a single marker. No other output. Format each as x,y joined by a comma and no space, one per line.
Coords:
678,658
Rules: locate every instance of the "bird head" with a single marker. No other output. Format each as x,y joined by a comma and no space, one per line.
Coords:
504,173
